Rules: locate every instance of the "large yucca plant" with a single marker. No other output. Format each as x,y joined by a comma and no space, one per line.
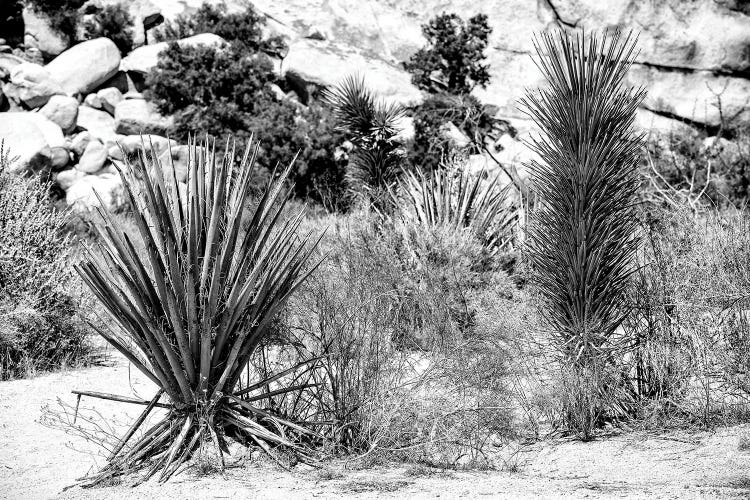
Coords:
193,306
581,239
461,200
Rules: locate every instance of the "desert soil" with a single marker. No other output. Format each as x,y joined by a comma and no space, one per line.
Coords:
40,462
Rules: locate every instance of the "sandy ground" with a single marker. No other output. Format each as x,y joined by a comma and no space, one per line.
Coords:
39,462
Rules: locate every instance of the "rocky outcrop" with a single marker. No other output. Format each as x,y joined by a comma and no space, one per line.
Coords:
84,67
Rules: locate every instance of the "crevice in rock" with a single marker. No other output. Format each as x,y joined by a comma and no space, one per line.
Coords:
687,70
558,18
711,130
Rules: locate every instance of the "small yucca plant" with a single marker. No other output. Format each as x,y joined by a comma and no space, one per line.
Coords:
377,160
193,306
461,200
582,236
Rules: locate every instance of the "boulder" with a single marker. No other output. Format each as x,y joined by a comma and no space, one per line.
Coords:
132,144
8,62
99,124
39,35
68,177
23,140
109,98
138,116
79,142
59,158
84,67
93,158
32,85
144,59
51,131
62,110
81,193
93,101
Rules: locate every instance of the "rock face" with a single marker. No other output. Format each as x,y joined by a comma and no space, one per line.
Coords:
686,46
61,110
84,67
143,59
137,116
32,85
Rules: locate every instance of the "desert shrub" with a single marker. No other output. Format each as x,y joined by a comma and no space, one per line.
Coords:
688,322
225,90
685,166
414,338
63,15
111,21
432,146
244,28
582,238
39,325
377,160
452,61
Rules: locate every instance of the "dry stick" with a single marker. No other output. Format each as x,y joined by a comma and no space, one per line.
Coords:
136,425
121,399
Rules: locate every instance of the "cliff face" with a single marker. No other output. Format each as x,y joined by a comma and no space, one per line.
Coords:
694,54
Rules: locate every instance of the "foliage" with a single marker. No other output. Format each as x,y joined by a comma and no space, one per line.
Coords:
459,200
62,14
582,237
196,305
431,145
452,60
111,21
39,325
225,90
377,160
243,28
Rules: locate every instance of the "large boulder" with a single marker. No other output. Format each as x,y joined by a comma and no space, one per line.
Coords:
82,192
39,34
84,67
98,123
52,132
144,59
138,116
62,110
32,85
25,142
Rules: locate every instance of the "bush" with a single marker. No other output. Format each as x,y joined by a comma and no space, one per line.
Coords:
226,90
62,14
452,60
113,22
39,325
245,28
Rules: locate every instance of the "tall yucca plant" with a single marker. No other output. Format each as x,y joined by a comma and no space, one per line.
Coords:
460,200
193,306
377,160
582,235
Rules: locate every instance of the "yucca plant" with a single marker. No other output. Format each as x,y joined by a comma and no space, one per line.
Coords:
376,162
582,235
461,200
195,304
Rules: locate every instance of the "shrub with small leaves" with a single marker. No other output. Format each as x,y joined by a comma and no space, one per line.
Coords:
453,59
113,22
